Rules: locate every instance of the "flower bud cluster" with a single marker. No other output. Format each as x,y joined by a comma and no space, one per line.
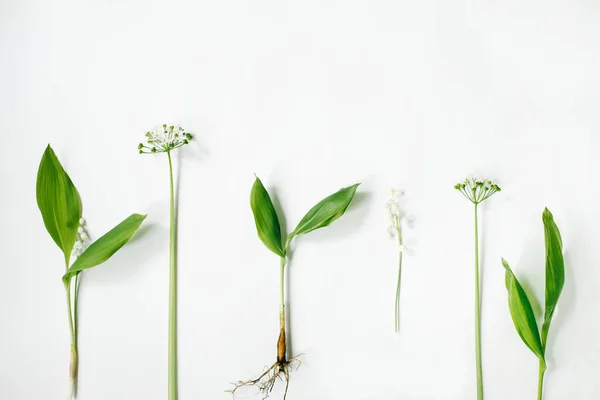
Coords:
477,190
164,139
83,241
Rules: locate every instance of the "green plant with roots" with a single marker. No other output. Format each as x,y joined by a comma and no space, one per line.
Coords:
60,206
477,191
521,311
165,139
269,231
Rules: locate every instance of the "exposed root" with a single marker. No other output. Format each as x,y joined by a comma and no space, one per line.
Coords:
266,382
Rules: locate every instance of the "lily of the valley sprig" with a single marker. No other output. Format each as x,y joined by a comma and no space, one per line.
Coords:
269,231
395,230
60,206
477,191
521,311
165,139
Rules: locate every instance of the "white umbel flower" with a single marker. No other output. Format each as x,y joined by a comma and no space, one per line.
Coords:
164,139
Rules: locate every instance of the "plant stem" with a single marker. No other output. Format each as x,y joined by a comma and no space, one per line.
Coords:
478,313
74,364
281,342
542,371
397,302
282,292
172,365
75,302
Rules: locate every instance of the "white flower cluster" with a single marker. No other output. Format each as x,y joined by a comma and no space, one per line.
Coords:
164,139
395,215
83,240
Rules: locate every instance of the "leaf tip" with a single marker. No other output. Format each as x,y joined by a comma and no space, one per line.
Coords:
48,150
257,180
353,187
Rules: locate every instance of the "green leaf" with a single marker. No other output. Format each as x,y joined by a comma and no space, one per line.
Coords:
58,201
522,313
103,248
555,270
326,211
265,217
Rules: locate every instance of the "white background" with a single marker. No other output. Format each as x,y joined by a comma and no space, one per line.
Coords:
311,96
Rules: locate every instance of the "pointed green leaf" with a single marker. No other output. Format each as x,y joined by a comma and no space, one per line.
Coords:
555,270
265,217
103,248
58,201
326,211
522,313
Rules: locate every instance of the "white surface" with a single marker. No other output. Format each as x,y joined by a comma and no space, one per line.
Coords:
312,96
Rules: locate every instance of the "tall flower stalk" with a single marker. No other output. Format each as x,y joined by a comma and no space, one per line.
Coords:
165,139
61,209
477,191
395,230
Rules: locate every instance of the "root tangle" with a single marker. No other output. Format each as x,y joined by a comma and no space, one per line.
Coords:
266,382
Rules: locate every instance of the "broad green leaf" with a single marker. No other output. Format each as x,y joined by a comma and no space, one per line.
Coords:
326,211
265,217
522,313
555,270
58,201
103,248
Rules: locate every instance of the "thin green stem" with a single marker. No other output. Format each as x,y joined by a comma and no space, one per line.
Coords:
172,364
70,312
397,300
542,371
74,347
75,302
397,303
478,313
74,363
